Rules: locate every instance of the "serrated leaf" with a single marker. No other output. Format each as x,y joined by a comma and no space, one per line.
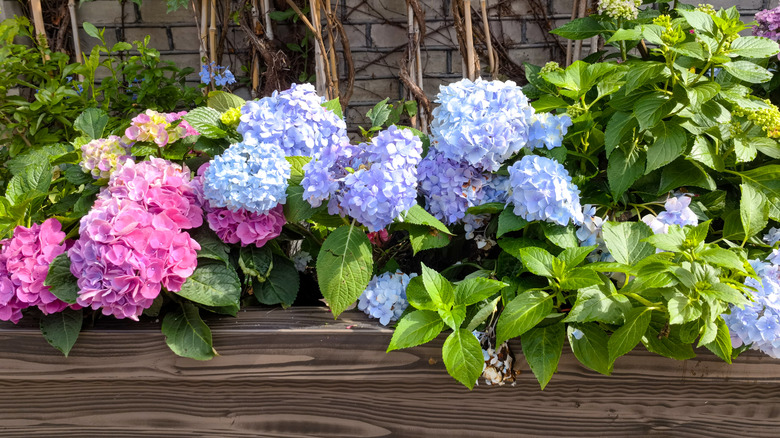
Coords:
624,170
754,47
683,309
462,357
280,286
643,73
296,168
624,241
452,316
61,329
222,101
629,334
542,347
423,237
753,210
591,347
206,121
560,236
482,314
579,29
649,110
618,127
489,208
669,144
61,282
474,290
439,288
416,328
747,71
186,334
726,293
335,106
255,262
211,246
92,122
767,180
213,284
508,222
599,303
32,182
538,261
418,216
702,92
578,278
344,267
721,346
572,257
297,209
722,257
666,345
522,314
683,173
417,296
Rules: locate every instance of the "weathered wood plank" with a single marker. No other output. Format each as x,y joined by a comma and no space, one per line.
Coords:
300,373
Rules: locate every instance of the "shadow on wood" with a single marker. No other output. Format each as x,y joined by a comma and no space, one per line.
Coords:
297,372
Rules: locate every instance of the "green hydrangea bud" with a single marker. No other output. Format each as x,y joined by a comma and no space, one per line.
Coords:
231,117
551,67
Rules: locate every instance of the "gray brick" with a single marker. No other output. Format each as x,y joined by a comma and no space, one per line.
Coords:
535,56
508,7
156,11
359,10
535,32
374,90
87,42
434,61
372,64
158,36
183,61
444,37
356,116
562,7
9,9
356,34
387,35
508,31
742,5
185,38
102,12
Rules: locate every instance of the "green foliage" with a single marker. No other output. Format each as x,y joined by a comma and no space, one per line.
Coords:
186,333
345,267
61,329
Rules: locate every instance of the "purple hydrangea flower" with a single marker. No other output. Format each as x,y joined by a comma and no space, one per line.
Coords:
542,190
768,24
677,212
385,296
449,187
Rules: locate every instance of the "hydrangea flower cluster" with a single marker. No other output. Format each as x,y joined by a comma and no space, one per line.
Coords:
132,243
158,128
249,177
620,9
385,296
759,322
100,157
548,130
495,189
25,261
449,187
772,237
542,190
768,24
589,234
301,260
372,183
677,212
293,119
482,123
222,75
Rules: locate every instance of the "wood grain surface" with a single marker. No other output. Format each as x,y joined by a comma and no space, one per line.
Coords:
299,373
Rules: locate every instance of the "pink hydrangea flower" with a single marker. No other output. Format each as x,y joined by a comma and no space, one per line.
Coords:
25,263
132,244
158,128
188,129
100,157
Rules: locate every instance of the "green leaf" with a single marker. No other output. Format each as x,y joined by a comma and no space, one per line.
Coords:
211,246
754,47
683,309
522,314
439,289
296,168
643,73
578,278
32,182
418,216
508,222
706,152
344,267
619,126
463,358
92,122
213,284
186,334
572,257
482,314
91,30
650,109
417,296
721,346
416,328
297,209
599,303
624,241
623,171
633,34
513,246
489,208
669,144
591,347
537,260
699,20
628,336
753,210
673,240
702,92
281,285
207,121
766,179
335,106
255,262
474,290
747,71
692,49
684,173
542,347
379,113
61,329
452,316
667,346
62,283
562,237
579,29
722,257
726,293
222,101
422,237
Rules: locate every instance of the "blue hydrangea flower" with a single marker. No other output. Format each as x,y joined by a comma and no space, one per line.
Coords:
222,75
589,234
295,120
759,322
482,123
495,189
772,237
548,130
542,190
449,187
677,212
372,183
249,177
385,296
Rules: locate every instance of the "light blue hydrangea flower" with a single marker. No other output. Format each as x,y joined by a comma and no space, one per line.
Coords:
772,237
759,322
372,183
222,75
589,234
495,189
548,130
385,296
482,123
449,187
677,212
542,190
295,120
249,177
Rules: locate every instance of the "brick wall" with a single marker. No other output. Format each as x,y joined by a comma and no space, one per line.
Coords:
377,32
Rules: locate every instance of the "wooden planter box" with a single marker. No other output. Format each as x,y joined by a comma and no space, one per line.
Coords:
297,372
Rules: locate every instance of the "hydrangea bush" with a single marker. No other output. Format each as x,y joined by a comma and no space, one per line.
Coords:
628,199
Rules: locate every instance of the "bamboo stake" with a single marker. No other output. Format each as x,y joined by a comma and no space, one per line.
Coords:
411,60
269,31
255,57
578,44
74,28
469,41
569,43
319,67
213,31
204,33
488,40
40,29
420,111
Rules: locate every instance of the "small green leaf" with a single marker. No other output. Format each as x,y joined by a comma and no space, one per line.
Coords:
281,285
668,346
418,216
591,347
721,346
31,183
572,257
452,316
91,30
296,168
684,173
474,290
562,237
623,170
297,209
669,144
578,278
482,314
722,257
379,113
673,240
683,309
522,314
643,73
489,208
538,261
186,333
650,109
542,347
213,284
416,328
753,210
62,283
599,303
335,106
211,246
747,71
618,128
754,47
439,289
61,329
92,122
344,267
579,29
624,241
463,358
726,293
508,222
423,237
255,262
628,336
417,296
